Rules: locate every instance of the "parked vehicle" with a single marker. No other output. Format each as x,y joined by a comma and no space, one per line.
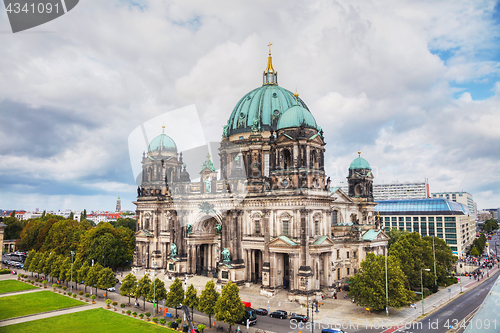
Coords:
261,312
278,314
299,318
111,289
250,315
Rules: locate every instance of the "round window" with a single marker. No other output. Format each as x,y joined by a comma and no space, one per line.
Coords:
276,112
275,95
242,115
285,183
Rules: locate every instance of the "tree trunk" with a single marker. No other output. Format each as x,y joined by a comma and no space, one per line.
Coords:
209,321
144,304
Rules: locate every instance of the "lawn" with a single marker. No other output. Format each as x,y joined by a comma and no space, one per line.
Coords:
41,301
7,286
95,320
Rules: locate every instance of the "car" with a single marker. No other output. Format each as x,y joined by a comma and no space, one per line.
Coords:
299,317
111,289
330,330
261,312
278,314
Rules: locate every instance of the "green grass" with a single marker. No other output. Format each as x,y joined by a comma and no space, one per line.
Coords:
42,301
7,286
95,320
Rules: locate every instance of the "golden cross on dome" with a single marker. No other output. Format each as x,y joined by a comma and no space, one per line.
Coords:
269,47
208,156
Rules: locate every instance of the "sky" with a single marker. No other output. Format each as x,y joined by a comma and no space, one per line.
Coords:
413,85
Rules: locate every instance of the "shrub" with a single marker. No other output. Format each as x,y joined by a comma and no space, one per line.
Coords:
74,295
69,294
93,298
169,324
122,305
155,320
162,321
141,315
80,293
178,321
128,312
134,313
54,286
87,295
115,303
5,271
201,327
64,288
148,314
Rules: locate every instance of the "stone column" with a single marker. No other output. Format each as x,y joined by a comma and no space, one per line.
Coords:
266,256
249,272
252,262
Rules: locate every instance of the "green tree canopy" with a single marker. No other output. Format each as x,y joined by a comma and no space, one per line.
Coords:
65,272
414,254
175,296
127,287
34,262
93,276
142,288
444,257
157,292
41,263
82,274
228,307
208,299
191,298
14,228
47,270
106,279
55,268
394,234
29,259
368,286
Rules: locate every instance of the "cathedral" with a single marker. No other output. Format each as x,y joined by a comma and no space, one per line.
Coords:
269,216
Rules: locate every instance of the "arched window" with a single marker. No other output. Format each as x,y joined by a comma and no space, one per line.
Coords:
257,227
334,217
316,227
285,227
313,159
287,159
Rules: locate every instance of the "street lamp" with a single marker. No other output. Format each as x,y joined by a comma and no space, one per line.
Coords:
154,288
307,292
71,288
422,286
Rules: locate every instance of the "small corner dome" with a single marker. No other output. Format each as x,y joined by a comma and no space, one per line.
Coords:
359,163
162,143
297,116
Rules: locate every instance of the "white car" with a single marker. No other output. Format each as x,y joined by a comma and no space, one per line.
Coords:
111,289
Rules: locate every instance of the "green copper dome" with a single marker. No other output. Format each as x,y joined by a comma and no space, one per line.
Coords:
359,163
297,116
260,109
162,143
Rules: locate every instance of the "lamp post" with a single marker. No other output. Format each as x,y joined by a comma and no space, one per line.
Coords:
71,287
434,255
312,313
386,287
307,292
422,286
154,288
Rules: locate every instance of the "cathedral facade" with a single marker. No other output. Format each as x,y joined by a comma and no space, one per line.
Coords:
269,216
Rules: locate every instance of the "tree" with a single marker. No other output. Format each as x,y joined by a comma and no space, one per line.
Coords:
13,214
444,257
55,268
43,214
474,251
394,234
127,287
77,264
157,292
414,254
13,228
106,279
41,263
368,286
93,276
82,274
191,298
228,307
142,288
34,262
71,216
490,225
47,270
29,259
207,301
175,296
65,272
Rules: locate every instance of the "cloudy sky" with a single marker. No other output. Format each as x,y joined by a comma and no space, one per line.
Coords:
414,85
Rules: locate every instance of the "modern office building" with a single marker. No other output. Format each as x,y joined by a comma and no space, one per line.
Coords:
461,197
442,218
398,191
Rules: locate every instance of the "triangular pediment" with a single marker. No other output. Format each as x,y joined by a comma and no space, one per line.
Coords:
144,233
341,196
373,235
322,241
282,241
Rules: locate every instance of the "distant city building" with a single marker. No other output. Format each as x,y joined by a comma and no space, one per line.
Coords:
103,217
495,212
460,197
118,205
398,191
484,215
445,219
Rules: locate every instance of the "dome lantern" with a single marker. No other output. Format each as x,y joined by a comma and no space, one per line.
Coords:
270,74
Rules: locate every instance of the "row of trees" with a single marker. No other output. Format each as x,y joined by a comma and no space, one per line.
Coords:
478,246
110,246
490,225
408,256
56,266
227,306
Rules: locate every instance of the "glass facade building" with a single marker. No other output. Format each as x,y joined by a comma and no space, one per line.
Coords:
446,219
